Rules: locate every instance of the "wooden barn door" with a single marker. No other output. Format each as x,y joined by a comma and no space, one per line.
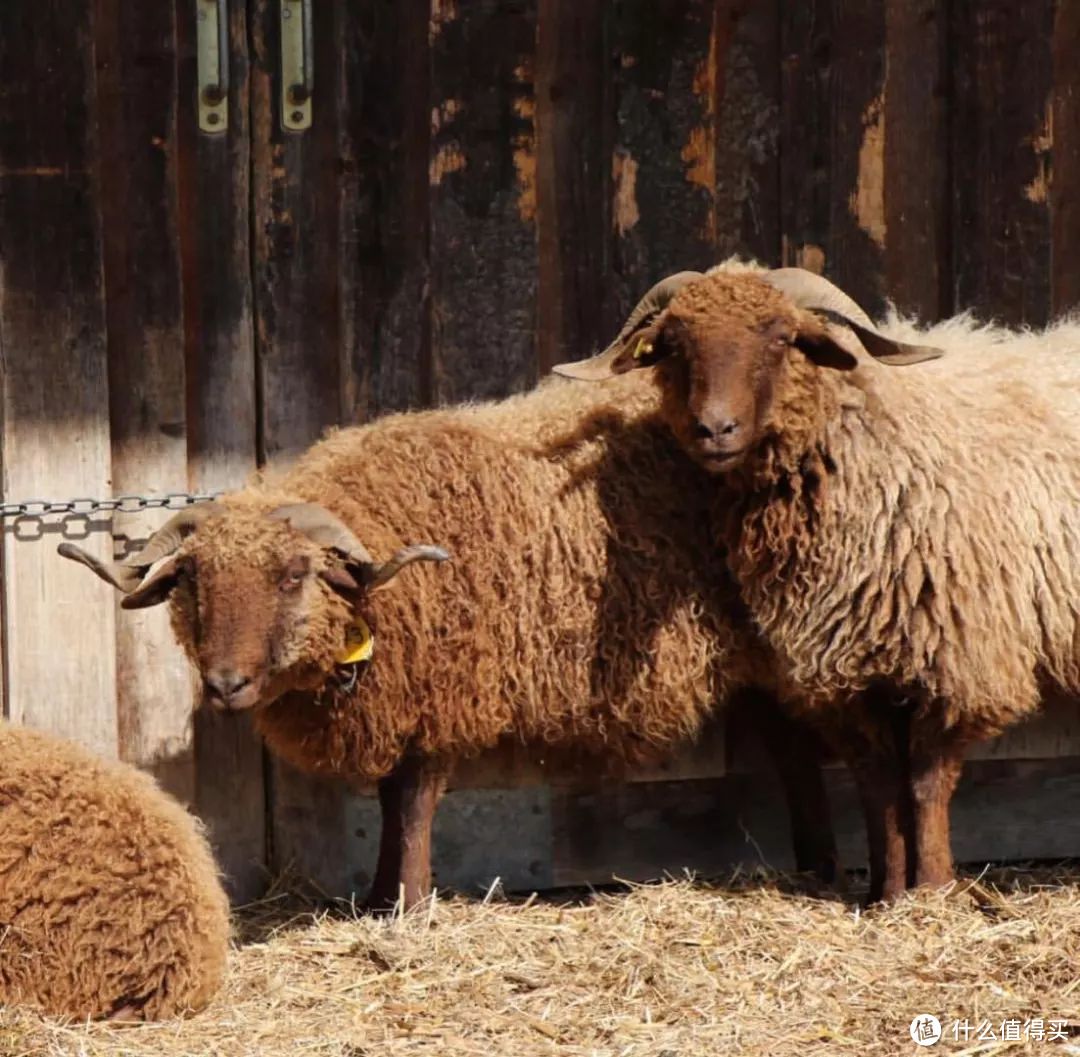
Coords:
484,189
126,341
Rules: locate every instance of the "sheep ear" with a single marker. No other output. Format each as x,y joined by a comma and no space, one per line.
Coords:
341,580
818,341
156,587
641,348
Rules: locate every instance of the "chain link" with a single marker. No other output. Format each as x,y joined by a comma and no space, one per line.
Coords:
121,504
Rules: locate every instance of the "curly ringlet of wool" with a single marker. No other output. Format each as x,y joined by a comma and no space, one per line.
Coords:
583,609
110,901
915,525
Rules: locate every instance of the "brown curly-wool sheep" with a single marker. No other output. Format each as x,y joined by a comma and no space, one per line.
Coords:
913,534
570,618
110,902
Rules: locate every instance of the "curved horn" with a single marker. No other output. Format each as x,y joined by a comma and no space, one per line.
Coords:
654,302
126,574
809,290
419,552
327,530
169,537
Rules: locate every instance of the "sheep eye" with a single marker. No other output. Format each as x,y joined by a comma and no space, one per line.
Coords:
294,576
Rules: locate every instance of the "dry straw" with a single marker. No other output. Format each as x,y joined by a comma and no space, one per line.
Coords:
679,969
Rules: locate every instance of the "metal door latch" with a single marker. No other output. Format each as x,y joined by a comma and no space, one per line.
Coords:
297,65
212,47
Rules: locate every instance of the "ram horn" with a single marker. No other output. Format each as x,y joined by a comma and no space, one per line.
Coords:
328,531
815,292
126,574
598,367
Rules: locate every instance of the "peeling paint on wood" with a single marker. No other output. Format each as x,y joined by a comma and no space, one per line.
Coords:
867,202
447,159
524,146
624,170
810,257
1043,145
442,12
746,192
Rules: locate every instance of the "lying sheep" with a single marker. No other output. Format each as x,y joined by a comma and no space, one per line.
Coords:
900,537
110,903
570,619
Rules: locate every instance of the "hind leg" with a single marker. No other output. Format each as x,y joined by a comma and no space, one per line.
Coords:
797,752
937,761
408,798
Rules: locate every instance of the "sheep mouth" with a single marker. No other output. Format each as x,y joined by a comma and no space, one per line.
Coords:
240,701
716,461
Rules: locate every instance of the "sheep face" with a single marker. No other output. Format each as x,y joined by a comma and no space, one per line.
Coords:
260,609
734,345
263,598
723,346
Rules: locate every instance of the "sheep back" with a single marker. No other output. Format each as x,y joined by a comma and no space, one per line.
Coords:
109,896
584,609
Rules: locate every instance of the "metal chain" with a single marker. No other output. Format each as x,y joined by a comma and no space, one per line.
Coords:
121,504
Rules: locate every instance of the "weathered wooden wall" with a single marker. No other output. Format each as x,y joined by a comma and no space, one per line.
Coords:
487,187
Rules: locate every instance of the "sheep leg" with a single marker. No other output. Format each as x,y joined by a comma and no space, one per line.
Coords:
877,758
408,798
936,765
796,754
887,826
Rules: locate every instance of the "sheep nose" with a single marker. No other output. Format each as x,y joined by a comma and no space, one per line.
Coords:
723,427
225,683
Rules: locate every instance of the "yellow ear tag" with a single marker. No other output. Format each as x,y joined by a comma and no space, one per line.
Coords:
359,643
643,347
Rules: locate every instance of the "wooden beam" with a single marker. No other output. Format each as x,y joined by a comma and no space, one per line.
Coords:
1003,72
918,272
483,199
59,628
214,219
137,104
1065,122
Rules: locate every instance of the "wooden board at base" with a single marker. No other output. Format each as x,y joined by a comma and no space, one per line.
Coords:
539,837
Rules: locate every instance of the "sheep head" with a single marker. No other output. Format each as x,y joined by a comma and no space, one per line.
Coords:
262,599
722,342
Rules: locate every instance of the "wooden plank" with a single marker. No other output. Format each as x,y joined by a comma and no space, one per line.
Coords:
1003,70
747,197
574,126
1004,811
295,179
918,275
1065,122
668,85
59,623
137,100
214,222
384,95
483,254
1053,732
857,145
833,143
805,122
296,196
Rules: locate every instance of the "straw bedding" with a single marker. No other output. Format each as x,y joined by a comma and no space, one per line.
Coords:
753,966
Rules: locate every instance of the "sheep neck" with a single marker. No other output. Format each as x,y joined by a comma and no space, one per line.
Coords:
774,504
